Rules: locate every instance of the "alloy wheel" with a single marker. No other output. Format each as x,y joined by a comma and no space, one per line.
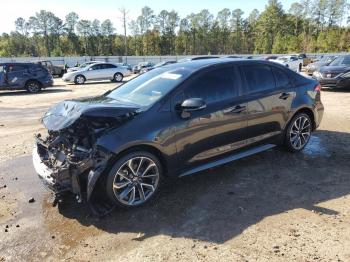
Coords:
136,181
33,87
80,80
300,132
118,77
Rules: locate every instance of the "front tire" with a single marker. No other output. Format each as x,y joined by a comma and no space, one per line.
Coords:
33,87
134,179
298,132
79,80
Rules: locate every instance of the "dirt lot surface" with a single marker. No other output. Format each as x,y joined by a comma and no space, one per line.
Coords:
274,206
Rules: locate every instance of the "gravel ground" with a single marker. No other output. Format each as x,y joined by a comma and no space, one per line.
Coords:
274,206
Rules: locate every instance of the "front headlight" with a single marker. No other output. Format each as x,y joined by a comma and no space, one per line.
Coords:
317,74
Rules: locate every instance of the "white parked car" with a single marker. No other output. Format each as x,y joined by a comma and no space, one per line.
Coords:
98,71
290,61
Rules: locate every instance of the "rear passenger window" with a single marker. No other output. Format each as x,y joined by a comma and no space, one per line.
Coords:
282,79
217,85
110,66
259,78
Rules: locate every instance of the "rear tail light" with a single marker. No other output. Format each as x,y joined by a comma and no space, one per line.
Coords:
318,88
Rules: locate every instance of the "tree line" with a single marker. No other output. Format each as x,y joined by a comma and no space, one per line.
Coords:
307,26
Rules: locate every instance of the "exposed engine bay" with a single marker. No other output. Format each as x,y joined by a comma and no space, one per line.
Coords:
69,159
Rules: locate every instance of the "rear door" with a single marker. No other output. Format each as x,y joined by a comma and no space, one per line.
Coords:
219,128
109,71
269,94
17,75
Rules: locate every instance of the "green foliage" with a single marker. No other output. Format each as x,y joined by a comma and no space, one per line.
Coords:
308,26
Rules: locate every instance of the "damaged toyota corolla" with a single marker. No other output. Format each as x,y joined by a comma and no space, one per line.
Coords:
172,121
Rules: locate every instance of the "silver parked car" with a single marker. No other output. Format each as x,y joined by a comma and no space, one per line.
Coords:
98,71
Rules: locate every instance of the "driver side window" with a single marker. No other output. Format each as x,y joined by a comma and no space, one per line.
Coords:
214,86
96,67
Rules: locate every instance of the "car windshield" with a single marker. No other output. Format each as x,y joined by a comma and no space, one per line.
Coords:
327,59
148,88
86,64
341,61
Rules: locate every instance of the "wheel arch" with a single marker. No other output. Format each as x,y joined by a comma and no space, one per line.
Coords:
307,111
143,147
33,80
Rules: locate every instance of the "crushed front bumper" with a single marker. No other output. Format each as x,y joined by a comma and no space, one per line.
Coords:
44,173
77,178
58,181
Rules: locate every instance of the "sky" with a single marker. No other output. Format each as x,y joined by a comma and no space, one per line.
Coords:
108,9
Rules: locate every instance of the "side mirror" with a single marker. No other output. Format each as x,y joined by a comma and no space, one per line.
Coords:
193,104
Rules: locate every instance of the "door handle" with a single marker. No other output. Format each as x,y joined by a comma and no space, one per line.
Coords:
284,96
238,109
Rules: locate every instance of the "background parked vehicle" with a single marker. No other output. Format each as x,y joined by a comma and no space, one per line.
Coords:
194,58
290,61
306,60
24,76
271,57
146,69
55,70
76,68
315,66
98,71
137,69
233,56
336,74
174,121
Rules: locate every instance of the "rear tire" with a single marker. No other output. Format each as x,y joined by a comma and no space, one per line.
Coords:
79,80
298,132
118,77
33,86
134,179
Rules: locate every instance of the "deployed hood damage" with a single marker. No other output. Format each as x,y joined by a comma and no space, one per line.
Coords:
68,159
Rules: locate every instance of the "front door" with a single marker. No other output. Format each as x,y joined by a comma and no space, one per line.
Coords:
94,72
218,129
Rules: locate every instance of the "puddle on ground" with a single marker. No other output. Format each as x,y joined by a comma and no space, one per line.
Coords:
316,148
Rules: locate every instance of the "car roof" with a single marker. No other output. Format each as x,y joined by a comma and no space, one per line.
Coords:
19,63
197,65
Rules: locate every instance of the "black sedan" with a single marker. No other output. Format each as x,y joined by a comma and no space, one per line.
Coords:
173,121
315,66
336,74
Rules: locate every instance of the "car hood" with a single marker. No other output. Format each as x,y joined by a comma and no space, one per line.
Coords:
334,69
67,112
72,69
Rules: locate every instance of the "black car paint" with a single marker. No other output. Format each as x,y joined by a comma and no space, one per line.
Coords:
17,80
188,141
203,138
332,76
